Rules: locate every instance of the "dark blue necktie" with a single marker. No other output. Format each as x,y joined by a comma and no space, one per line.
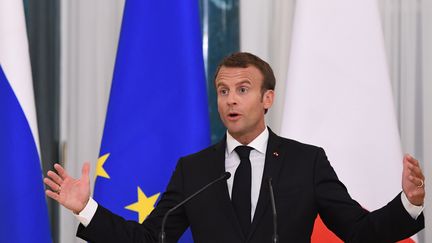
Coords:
241,191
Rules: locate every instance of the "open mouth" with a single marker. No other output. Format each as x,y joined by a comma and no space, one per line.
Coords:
233,115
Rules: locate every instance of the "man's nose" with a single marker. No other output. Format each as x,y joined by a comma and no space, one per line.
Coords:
232,98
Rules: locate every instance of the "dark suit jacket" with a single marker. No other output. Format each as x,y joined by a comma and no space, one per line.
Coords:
304,184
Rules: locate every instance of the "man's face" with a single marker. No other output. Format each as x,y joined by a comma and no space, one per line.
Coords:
241,103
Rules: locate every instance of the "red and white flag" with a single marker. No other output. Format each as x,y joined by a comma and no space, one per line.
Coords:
338,96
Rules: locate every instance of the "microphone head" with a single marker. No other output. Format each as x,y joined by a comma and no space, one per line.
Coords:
226,175
269,180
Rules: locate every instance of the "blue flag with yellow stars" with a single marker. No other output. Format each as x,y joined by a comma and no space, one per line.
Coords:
158,109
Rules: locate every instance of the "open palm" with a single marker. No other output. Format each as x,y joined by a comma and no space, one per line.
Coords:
70,192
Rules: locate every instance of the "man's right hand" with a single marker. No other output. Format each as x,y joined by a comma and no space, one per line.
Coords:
72,193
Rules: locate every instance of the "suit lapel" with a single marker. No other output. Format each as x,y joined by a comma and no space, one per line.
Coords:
273,163
222,189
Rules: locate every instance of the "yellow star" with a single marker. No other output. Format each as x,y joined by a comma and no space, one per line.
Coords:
100,171
144,206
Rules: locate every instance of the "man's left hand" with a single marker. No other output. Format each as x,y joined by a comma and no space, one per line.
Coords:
413,180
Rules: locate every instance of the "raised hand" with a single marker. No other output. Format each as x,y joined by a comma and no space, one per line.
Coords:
72,193
413,180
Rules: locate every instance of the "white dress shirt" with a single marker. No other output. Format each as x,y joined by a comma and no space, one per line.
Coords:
257,159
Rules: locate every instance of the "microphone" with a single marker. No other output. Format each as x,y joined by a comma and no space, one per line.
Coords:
275,238
162,237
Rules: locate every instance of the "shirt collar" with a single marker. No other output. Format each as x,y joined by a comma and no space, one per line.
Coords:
259,143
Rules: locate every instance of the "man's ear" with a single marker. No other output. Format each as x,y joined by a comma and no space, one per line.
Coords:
268,98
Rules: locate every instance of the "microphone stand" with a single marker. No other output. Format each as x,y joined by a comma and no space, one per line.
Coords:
162,236
275,238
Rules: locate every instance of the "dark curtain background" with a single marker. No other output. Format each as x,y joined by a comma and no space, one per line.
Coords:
220,28
43,28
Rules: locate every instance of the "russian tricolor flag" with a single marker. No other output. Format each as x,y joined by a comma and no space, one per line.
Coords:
22,205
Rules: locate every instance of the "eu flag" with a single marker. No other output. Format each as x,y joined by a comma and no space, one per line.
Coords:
158,108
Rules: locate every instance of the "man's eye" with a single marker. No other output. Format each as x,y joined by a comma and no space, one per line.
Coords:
223,91
243,90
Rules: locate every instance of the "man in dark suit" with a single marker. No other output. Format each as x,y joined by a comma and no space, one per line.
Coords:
239,210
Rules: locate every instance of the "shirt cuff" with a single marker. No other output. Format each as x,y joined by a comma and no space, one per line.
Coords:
86,215
412,209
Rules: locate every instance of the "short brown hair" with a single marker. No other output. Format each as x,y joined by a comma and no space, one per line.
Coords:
244,60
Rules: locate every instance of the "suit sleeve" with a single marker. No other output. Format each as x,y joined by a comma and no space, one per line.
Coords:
347,219
108,227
